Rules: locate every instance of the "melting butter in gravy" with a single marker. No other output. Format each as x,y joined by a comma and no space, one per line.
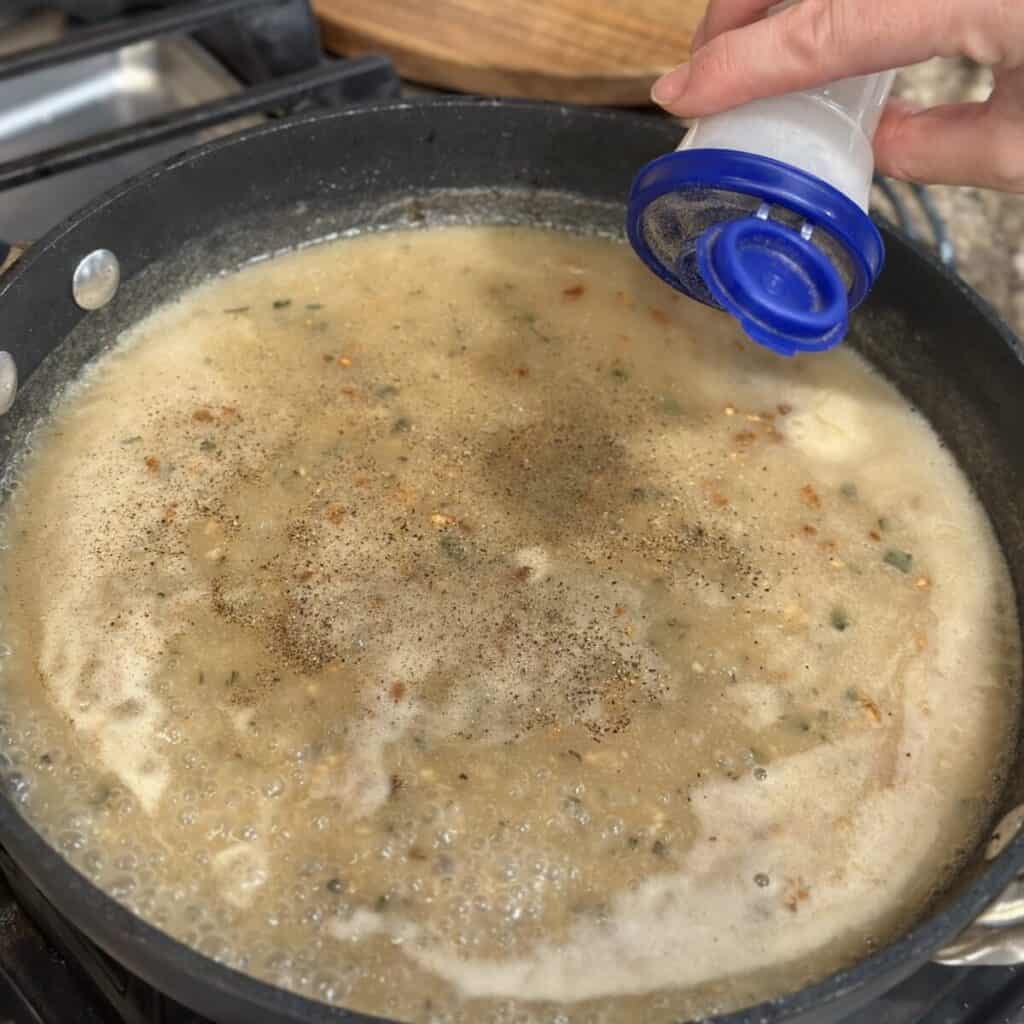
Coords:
457,625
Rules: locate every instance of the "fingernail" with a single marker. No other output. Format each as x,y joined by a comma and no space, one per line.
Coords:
670,87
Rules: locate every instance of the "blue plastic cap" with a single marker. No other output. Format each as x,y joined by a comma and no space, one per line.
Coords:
781,250
783,290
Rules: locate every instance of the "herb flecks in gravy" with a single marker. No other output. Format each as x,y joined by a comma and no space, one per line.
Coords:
456,623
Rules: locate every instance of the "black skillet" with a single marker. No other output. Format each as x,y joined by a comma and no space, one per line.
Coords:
466,160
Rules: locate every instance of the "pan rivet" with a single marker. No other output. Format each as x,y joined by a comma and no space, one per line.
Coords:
96,279
8,381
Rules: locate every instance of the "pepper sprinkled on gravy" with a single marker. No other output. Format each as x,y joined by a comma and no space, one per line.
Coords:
500,637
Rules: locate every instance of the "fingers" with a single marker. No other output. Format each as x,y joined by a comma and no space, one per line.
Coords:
720,16
810,44
669,89
725,15
740,55
699,35
962,144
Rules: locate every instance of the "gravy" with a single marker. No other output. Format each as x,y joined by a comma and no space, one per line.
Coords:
457,625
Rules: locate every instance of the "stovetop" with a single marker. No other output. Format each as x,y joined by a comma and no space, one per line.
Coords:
49,973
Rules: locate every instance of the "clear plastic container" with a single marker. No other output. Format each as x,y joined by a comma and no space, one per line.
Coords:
826,132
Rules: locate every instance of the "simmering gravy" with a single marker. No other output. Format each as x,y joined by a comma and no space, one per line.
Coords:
456,625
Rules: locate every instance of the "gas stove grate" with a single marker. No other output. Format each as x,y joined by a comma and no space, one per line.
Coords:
272,44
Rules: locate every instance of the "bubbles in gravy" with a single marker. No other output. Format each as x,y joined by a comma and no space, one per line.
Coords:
456,625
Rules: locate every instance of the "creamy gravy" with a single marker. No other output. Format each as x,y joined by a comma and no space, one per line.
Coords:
457,625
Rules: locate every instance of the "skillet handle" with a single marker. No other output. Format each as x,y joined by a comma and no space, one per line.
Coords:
996,938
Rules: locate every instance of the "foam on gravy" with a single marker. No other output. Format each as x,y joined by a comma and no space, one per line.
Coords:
457,625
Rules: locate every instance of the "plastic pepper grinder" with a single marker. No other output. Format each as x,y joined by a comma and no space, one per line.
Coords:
762,212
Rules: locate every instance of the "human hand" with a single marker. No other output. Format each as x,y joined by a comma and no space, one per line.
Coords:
739,55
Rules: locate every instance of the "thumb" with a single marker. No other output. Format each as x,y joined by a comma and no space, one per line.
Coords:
961,144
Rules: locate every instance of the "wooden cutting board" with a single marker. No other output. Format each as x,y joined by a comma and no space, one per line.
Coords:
604,52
